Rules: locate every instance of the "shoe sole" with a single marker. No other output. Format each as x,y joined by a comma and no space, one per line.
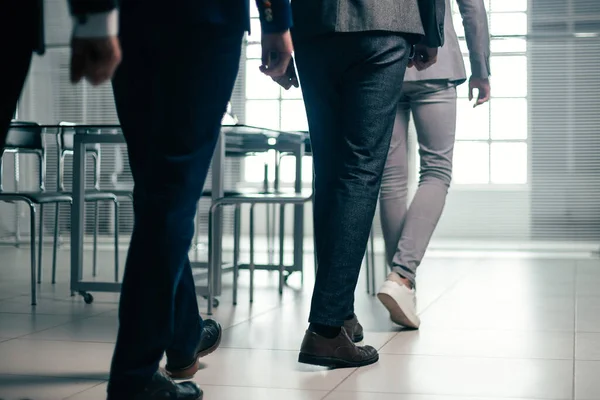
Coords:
331,362
189,372
396,314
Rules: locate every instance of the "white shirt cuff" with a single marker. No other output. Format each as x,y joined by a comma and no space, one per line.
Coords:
96,25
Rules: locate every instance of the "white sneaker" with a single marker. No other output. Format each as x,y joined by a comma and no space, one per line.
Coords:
400,301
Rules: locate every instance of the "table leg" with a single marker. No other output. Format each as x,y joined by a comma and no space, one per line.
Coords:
77,212
299,214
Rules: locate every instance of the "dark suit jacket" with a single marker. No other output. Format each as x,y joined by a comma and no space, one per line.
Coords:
422,19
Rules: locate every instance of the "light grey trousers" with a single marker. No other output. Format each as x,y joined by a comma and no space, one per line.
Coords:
408,229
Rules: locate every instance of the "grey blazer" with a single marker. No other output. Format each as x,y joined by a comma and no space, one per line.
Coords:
416,17
450,65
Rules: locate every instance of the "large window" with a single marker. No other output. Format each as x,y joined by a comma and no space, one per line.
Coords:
268,105
491,146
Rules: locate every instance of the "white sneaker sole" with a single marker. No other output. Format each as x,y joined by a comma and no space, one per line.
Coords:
397,315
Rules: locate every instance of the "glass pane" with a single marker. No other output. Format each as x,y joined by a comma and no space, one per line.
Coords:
292,93
471,163
288,169
254,168
263,113
508,45
509,76
253,10
472,123
508,24
508,5
509,163
293,116
509,119
258,85
254,51
255,30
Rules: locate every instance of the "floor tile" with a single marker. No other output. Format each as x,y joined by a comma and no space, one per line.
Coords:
483,343
587,382
282,329
17,387
253,393
472,310
97,392
72,306
341,395
15,325
94,329
587,346
485,377
266,369
588,314
57,359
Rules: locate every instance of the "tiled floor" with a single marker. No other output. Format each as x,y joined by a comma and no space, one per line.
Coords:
511,328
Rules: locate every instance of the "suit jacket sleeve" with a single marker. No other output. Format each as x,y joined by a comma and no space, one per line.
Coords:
80,7
275,15
432,17
477,34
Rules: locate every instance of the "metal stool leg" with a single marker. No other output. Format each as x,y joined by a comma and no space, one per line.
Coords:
367,261
251,266
33,283
95,248
55,243
281,247
237,224
372,245
40,244
116,240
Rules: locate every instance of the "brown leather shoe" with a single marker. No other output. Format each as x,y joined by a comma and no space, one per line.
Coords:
354,329
338,352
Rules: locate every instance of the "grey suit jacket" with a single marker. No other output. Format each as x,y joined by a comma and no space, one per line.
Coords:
450,65
415,17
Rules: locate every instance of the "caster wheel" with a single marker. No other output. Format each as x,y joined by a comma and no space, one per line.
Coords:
215,301
88,298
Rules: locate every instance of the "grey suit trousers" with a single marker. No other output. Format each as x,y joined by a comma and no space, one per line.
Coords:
408,229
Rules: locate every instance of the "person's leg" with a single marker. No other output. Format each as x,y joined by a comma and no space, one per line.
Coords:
393,199
351,85
434,113
17,43
170,99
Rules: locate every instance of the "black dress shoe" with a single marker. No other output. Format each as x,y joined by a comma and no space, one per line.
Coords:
339,352
163,388
354,329
209,342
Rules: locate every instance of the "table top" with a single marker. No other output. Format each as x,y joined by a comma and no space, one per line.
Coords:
239,139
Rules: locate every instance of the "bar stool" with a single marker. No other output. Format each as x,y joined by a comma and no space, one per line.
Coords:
282,199
26,137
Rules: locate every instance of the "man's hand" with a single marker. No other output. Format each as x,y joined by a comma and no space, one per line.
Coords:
483,89
94,59
424,57
276,53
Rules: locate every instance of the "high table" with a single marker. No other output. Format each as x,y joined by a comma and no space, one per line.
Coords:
238,140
